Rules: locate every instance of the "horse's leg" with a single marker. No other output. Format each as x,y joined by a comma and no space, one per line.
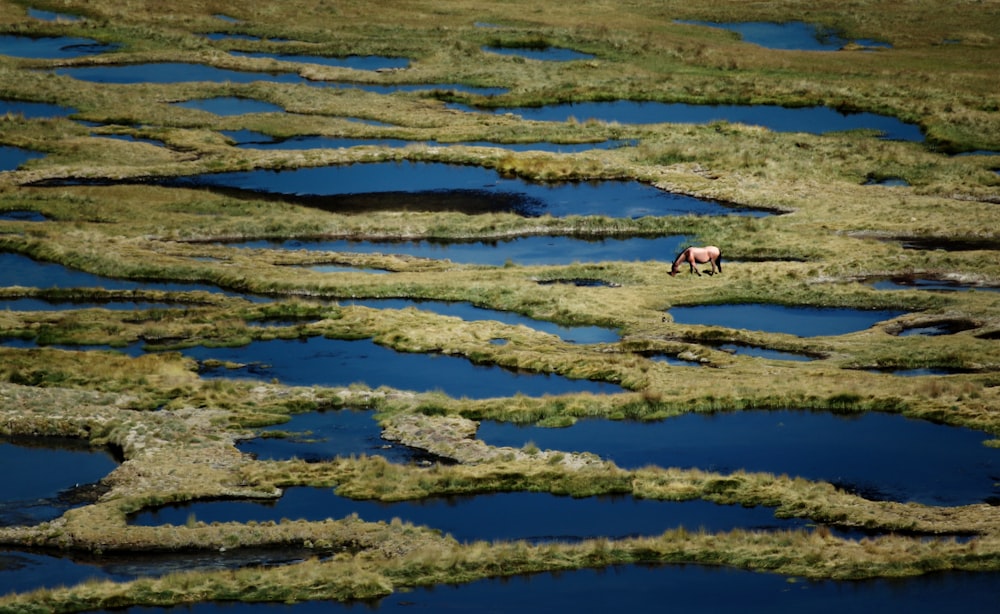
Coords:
694,267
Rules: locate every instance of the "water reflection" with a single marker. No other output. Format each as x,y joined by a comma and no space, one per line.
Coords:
795,35
549,54
531,516
526,251
230,105
51,16
19,270
34,110
248,139
11,158
880,456
52,476
338,362
750,350
423,186
801,321
51,48
814,120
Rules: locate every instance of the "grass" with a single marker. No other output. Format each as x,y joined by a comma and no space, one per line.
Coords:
832,235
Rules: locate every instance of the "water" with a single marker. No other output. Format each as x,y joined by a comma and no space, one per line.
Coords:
248,139
184,72
19,270
51,47
794,35
813,120
548,54
801,321
34,110
11,158
337,362
230,105
22,216
319,436
50,469
759,352
937,285
51,16
356,62
525,251
880,456
424,186
471,313
531,516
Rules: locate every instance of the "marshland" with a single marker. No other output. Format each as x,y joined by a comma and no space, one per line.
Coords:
312,301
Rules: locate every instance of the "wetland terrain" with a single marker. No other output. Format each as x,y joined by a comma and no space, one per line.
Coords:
307,305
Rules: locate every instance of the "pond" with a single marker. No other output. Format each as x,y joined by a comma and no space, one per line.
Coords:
531,516
22,215
430,186
183,72
793,35
800,321
52,16
471,313
54,474
336,362
813,120
524,251
50,47
879,456
356,62
325,435
549,54
34,110
11,158
19,270
760,352
248,139
230,105
909,282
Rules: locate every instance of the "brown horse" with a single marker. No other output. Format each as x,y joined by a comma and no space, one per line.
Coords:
698,255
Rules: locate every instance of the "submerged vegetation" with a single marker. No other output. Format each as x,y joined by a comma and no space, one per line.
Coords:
102,203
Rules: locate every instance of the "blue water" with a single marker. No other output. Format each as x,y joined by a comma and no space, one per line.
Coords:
336,362
51,16
50,48
531,516
183,72
471,313
34,110
549,54
248,139
18,270
356,62
38,470
231,105
795,35
801,321
22,216
749,350
11,158
525,251
813,120
881,456
436,186
938,285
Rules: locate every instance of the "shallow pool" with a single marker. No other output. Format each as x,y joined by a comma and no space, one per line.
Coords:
796,35
51,47
801,321
880,456
248,139
11,158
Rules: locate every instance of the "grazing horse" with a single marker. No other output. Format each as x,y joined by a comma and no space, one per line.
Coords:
698,255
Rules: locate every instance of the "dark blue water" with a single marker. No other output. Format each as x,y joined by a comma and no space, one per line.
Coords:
813,120
937,285
36,304
22,216
18,270
34,110
50,48
248,139
13,157
549,54
795,35
319,436
525,251
231,105
182,72
801,321
356,62
38,470
749,350
336,362
532,516
437,186
880,456
471,313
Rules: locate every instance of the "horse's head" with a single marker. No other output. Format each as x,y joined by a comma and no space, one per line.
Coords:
673,270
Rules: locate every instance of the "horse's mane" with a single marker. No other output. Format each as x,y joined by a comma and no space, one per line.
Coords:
681,255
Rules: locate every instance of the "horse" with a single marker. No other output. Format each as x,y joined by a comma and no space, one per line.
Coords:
698,255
